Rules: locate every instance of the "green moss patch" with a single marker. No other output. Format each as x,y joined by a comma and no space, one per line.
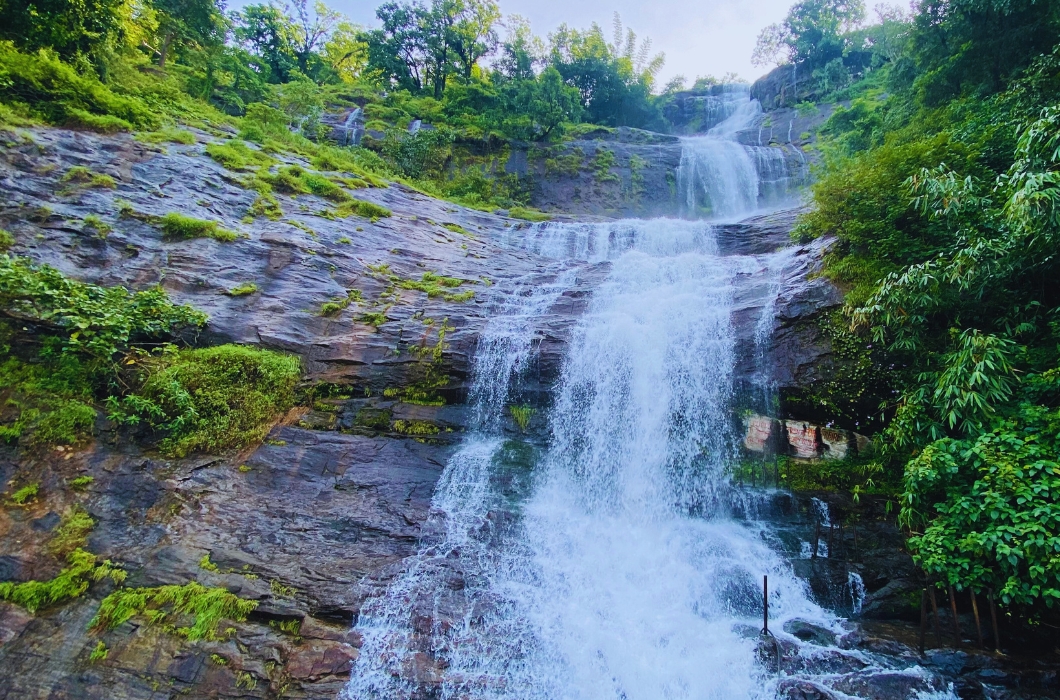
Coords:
207,607
178,226
81,569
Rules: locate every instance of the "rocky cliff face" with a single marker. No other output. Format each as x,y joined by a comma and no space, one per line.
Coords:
606,172
320,516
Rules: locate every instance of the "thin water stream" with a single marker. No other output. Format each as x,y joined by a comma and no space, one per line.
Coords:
622,565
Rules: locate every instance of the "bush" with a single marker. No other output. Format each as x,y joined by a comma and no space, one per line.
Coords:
56,93
176,225
99,321
80,175
211,398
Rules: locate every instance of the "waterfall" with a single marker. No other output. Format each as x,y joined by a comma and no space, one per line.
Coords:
724,179
617,561
452,569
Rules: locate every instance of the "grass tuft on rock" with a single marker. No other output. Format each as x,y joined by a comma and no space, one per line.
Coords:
359,207
528,214
72,532
206,606
85,177
237,155
25,495
81,569
176,225
242,290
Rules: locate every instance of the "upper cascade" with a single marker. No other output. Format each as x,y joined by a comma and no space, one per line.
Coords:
721,177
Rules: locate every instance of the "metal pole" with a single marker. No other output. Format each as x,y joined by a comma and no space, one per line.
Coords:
923,618
765,604
956,625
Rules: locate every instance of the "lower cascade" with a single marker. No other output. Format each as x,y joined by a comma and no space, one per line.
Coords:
618,562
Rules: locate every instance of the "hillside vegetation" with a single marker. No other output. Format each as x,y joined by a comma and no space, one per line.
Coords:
941,182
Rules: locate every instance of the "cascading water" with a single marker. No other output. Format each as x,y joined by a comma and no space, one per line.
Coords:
624,565
724,179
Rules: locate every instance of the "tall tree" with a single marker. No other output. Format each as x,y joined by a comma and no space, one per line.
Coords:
182,22
268,32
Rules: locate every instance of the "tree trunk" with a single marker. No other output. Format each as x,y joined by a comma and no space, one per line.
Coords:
164,52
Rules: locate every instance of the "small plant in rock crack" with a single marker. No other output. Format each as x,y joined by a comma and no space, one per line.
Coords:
522,415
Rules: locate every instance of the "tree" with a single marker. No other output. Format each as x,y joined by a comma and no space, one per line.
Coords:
70,27
811,34
542,104
346,52
397,50
521,51
471,34
266,31
310,29
181,22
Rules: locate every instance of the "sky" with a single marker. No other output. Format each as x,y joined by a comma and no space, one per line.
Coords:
699,37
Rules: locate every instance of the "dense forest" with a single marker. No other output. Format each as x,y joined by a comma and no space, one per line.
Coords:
938,176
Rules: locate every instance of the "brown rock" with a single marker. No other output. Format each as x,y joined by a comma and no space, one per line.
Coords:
318,658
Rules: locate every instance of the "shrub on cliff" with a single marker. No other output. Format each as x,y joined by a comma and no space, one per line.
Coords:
207,399
41,85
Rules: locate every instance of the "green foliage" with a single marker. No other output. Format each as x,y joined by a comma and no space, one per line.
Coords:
46,87
80,175
602,163
435,285
522,415
997,526
207,606
101,227
206,564
856,475
49,403
99,652
430,369
6,240
415,428
419,155
71,533
331,308
181,227
99,321
81,483
237,155
242,290
167,134
25,495
528,214
81,569
947,215
208,399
